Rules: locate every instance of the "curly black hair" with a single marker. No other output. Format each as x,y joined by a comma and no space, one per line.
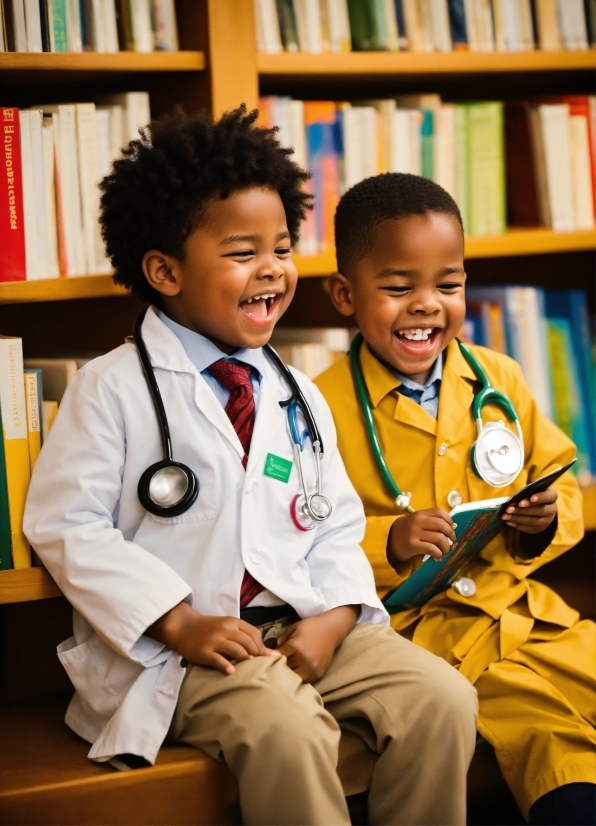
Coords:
390,196
155,195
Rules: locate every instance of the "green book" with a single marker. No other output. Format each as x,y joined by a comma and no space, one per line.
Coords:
58,29
461,163
427,144
380,36
486,169
362,25
5,535
477,524
287,25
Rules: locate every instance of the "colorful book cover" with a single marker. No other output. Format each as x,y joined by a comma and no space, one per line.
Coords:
16,443
427,145
476,524
322,135
12,214
457,23
58,29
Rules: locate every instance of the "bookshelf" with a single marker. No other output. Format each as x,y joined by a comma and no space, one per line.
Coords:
188,61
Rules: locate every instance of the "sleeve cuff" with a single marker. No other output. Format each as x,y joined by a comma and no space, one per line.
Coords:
371,607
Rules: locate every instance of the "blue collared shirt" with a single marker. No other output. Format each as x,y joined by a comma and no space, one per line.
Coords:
203,353
426,395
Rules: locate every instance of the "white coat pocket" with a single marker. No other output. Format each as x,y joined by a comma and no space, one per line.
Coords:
82,667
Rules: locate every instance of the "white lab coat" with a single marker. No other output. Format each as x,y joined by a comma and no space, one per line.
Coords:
122,568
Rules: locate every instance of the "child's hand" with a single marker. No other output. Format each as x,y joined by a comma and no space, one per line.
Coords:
423,532
309,645
533,515
209,641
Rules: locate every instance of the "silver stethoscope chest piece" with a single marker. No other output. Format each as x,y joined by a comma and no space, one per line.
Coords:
319,506
498,454
168,486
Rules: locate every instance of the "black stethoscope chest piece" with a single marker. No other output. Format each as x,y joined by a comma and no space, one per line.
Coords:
167,488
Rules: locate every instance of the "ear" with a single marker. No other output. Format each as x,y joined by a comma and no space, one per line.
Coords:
341,291
161,272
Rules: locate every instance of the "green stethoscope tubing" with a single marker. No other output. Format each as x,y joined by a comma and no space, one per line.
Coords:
486,395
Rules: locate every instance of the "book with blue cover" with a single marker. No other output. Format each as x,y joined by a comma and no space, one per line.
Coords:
477,524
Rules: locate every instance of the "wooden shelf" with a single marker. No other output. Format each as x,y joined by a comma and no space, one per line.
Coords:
113,62
514,242
30,584
27,585
59,289
420,63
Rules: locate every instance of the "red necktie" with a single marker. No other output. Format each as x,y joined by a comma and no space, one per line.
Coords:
240,409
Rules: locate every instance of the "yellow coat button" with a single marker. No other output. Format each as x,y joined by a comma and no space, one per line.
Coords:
454,499
443,449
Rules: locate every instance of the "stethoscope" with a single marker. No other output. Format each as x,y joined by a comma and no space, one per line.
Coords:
169,488
497,455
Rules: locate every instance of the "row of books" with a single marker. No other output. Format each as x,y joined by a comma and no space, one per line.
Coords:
88,25
521,164
30,391
317,26
53,158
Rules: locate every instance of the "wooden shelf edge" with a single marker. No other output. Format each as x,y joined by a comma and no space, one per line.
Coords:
31,584
390,63
514,242
27,585
190,61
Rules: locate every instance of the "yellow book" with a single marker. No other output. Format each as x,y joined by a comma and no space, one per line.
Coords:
33,417
16,443
49,410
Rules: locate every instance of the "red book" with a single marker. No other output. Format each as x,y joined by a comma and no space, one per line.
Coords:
12,229
523,209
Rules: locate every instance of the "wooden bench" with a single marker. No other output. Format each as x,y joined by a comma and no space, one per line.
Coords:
47,778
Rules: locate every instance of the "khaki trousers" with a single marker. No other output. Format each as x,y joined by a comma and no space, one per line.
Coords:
411,712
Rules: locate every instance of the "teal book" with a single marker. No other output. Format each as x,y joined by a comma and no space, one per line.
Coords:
58,30
477,524
5,536
427,142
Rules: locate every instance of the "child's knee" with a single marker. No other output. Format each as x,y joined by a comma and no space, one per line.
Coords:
454,696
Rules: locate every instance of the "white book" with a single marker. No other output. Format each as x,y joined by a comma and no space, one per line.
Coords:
314,32
166,28
549,38
473,26
429,102
413,23
118,134
49,187
336,339
400,141
440,26
484,12
99,35
298,132
572,24
461,162
73,26
103,143
385,110
369,148
35,131
69,187
352,146
391,23
136,110
19,32
508,33
580,172
140,13
445,156
268,27
33,26
416,118
280,113
426,12
31,255
527,27
88,176
554,120
534,346
110,29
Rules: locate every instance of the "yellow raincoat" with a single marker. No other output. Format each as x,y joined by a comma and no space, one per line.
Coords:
531,659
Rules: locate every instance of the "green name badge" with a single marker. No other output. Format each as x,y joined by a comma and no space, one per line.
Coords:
277,468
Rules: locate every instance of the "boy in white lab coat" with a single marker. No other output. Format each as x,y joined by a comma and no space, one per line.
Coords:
176,616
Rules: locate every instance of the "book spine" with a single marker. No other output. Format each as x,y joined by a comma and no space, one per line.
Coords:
12,226
486,173
87,155
360,12
5,532
287,25
31,247
16,443
33,419
58,30
427,147
45,25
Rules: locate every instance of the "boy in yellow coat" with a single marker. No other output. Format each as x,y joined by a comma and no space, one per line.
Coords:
400,251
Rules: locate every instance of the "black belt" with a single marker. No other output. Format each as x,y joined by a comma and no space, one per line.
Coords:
261,615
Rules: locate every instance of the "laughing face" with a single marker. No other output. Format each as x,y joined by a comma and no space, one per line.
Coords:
237,277
407,293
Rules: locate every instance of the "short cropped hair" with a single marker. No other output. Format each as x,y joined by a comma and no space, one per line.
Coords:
155,195
369,203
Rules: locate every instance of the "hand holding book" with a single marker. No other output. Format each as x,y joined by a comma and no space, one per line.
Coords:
533,514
